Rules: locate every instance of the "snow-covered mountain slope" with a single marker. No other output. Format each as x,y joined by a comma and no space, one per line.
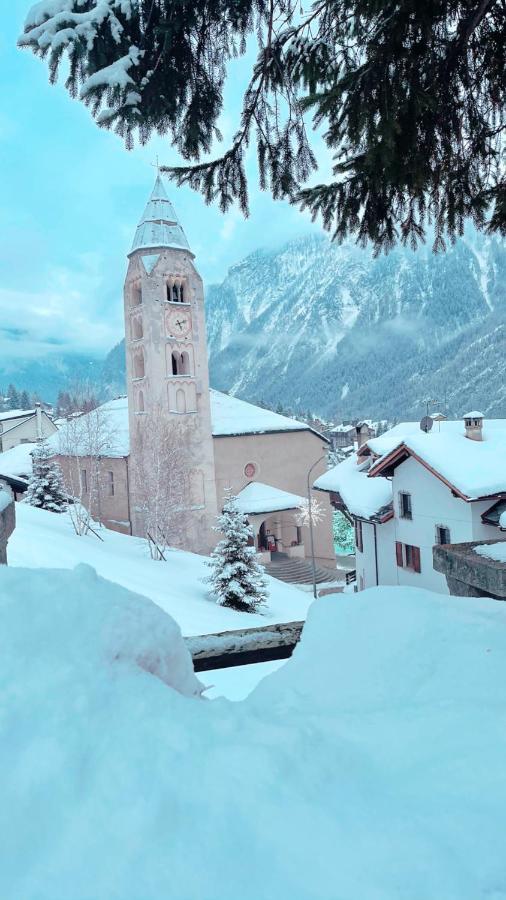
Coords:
343,333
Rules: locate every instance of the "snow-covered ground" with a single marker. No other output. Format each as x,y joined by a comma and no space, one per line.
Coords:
47,540
370,765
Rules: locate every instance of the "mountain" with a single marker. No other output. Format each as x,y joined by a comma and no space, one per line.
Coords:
331,328
47,376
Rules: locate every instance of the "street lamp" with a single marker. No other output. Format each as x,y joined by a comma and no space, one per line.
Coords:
310,516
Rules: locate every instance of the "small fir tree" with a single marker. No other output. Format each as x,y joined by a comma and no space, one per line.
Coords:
237,577
24,401
45,487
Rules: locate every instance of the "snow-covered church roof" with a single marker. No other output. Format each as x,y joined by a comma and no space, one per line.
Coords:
159,225
229,417
258,498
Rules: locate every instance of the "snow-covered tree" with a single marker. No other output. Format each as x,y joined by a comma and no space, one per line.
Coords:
237,577
45,487
342,531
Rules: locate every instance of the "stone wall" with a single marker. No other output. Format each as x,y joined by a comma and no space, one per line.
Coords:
468,574
7,523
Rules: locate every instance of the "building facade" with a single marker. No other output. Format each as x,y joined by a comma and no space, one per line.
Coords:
408,491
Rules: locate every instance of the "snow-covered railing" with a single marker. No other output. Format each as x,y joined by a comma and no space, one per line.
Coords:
241,648
7,522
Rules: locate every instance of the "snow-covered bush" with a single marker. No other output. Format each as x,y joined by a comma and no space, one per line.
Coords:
237,577
45,487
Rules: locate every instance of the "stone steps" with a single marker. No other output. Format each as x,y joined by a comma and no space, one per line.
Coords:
299,571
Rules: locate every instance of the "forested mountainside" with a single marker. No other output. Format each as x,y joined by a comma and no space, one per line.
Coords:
331,328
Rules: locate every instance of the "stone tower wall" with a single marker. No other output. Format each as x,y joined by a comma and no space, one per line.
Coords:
156,394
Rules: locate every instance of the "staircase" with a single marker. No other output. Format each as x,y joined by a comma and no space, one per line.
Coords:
298,571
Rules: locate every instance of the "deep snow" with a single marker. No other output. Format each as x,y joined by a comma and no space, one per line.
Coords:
369,767
47,540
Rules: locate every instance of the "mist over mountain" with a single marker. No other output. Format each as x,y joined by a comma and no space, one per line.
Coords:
330,328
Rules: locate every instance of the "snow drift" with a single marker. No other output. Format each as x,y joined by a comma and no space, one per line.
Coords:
369,766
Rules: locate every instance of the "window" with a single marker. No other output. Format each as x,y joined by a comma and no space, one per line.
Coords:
405,510
358,535
110,484
180,401
138,365
408,557
185,363
136,297
137,329
84,481
250,470
176,362
140,402
442,534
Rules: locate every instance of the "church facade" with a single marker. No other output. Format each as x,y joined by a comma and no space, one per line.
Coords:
213,443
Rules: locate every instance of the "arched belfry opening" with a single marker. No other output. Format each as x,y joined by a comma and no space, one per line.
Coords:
175,292
138,365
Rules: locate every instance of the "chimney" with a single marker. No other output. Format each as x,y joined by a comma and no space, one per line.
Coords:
473,422
362,434
38,413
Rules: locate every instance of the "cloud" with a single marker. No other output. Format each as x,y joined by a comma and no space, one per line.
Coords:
66,315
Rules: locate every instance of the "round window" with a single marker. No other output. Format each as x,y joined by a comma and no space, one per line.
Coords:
250,470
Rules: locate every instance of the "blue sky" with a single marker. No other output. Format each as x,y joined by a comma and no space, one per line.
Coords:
70,199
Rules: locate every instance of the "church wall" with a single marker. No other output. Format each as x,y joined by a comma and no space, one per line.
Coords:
283,460
111,509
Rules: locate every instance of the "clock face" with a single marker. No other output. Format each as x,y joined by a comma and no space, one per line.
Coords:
178,323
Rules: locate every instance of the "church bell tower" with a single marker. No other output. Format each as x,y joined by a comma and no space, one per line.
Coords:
167,375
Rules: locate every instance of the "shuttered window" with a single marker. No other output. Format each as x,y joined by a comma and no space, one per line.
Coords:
398,553
358,535
408,557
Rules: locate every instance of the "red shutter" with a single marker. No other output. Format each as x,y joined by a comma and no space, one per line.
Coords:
398,553
416,559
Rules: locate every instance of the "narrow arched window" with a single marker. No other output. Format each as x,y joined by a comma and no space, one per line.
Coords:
175,293
137,332
140,402
185,363
169,292
181,293
139,365
180,401
176,363
136,296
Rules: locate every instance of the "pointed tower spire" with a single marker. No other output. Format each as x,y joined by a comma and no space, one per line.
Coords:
159,225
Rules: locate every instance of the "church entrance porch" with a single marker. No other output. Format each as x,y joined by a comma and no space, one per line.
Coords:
277,537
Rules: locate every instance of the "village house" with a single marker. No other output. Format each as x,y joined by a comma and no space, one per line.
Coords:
228,444
409,490
24,426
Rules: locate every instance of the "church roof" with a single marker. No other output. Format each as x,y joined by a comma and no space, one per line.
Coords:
257,498
229,417
159,225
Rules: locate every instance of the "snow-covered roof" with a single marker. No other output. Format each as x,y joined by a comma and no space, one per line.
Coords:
475,468
257,498
17,461
103,431
362,496
342,429
159,225
231,416
474,414
16,414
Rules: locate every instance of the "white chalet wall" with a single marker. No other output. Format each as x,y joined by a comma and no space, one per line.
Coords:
365,561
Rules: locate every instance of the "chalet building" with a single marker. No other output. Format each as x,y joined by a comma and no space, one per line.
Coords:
409,490
228,444
346,435
21,426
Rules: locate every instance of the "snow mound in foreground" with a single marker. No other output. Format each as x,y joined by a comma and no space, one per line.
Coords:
370,766
68,627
